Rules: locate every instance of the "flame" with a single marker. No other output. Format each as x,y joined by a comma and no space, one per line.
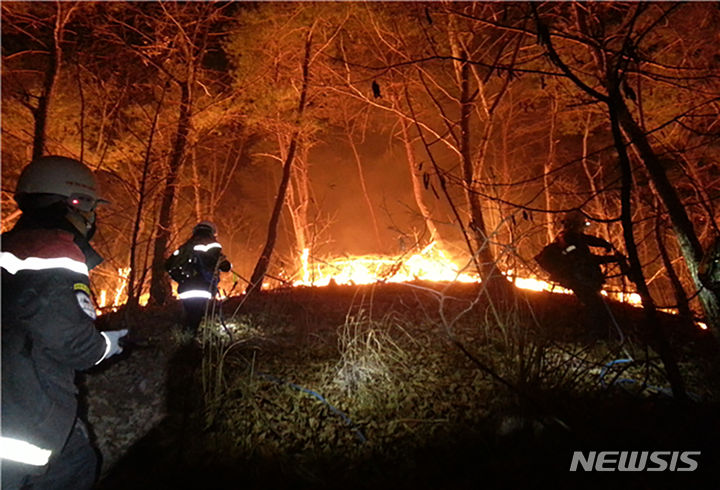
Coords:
119,294
430,264
631,298
535,284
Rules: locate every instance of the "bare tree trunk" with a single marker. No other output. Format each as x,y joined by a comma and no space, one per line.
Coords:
601,207
415,177
40,113
636,273
133,292
196,187
477,219
298,200
443,182
159,282
680,296
484,253
546,173
264,261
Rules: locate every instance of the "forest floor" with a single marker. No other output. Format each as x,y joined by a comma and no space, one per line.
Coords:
399,386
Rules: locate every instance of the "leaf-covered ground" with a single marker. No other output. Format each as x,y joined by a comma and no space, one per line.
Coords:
397,386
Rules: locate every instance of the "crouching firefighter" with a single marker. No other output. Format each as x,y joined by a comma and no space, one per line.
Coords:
194,266
48,330
571,263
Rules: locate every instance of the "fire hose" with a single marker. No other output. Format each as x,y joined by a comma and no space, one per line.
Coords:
358,433
629,381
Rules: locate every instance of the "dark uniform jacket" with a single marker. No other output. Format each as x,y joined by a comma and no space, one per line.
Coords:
48,332
200,257
584,265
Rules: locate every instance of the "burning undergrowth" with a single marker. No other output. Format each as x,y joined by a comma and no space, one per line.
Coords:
419,384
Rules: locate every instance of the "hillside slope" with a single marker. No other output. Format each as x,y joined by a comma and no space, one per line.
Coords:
390,386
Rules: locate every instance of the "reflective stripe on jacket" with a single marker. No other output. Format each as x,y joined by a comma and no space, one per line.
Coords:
208,257
195,294
23,452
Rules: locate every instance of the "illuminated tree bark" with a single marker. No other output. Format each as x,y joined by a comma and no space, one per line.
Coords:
52,47
477,219
601,205
548,167
263,262
160,284
681,298
298,200
133,286
473,156
416,176
636,273
40,113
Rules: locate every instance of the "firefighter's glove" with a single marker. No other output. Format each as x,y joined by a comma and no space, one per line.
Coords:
112,341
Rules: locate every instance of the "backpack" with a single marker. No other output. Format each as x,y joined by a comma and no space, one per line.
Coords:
553,260
182,265
567,267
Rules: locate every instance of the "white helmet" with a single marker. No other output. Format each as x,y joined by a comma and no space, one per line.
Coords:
60,176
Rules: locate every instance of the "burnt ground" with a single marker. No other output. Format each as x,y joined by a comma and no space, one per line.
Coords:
302,402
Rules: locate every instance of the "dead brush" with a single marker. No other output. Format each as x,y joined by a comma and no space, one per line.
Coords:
370,359
516,347
219,338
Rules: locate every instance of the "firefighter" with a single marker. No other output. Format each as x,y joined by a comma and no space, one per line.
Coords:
194,266
48,330
582,271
